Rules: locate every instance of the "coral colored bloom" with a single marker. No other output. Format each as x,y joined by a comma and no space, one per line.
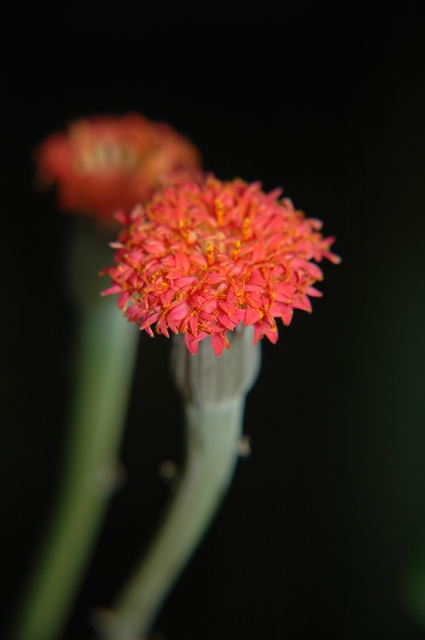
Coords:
200,260
103,164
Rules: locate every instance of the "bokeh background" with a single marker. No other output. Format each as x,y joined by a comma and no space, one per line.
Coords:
328,101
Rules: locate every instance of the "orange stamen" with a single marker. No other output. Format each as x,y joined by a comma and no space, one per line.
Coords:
210,254
246,229
219,211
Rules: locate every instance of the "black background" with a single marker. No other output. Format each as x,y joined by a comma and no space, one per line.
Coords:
328,101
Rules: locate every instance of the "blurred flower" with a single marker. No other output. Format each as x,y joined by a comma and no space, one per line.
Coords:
200,260
102,164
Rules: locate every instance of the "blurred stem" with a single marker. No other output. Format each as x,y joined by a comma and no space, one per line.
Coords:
413,586
106,347
212,436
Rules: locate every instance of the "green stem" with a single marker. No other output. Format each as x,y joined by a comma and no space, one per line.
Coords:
106,353
215,390
212,436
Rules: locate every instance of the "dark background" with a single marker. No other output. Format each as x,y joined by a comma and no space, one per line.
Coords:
328,101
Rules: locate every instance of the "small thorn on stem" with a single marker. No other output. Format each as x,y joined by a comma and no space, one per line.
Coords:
168,471
101,619
243,447
111,478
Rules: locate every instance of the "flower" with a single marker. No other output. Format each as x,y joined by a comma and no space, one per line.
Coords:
102,164
201,259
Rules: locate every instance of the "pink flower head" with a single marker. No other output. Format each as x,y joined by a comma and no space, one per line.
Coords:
102,164
200,260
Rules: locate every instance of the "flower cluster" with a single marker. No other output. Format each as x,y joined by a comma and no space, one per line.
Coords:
102,164
201,259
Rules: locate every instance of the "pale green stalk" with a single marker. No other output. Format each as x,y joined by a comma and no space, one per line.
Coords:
214,390
106,349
